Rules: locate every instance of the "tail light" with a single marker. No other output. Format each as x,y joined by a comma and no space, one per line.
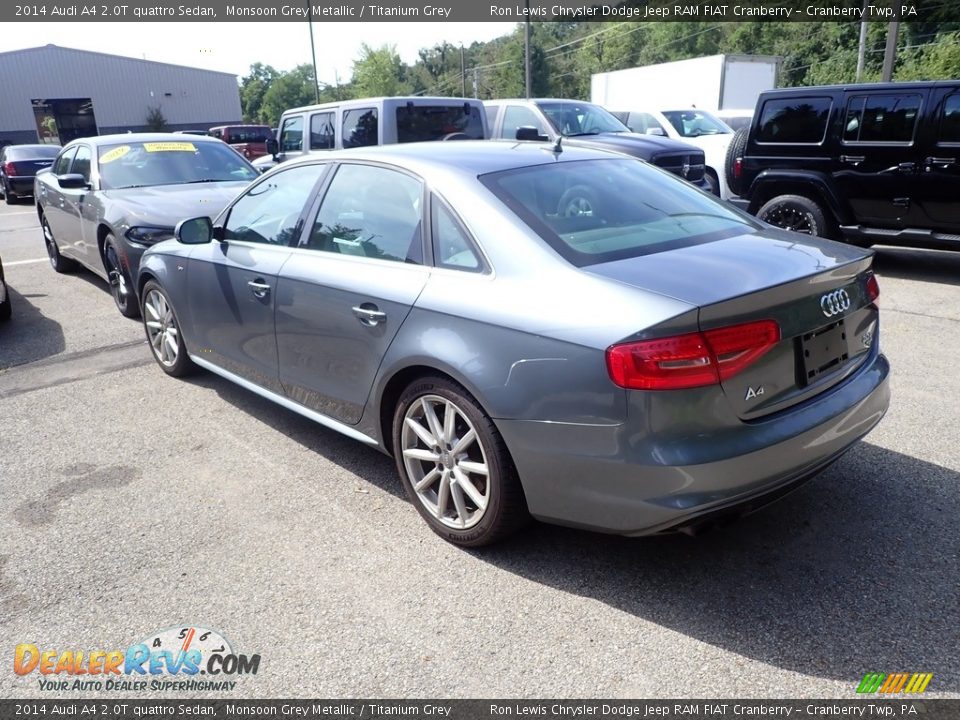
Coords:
9,169
873,288
690,360
738,167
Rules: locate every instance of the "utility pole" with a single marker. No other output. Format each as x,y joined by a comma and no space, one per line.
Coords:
890,53
463,74
862,50
526,51
476,82
313,55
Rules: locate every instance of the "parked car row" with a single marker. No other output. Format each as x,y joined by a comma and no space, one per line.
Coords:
449,303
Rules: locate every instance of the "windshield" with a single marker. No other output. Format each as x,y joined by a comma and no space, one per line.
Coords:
436,122
139,164
694,123
595,211
255,134
579,118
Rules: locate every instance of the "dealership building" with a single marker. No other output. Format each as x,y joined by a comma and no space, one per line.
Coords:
53,94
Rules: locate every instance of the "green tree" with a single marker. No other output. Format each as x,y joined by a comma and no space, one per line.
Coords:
156,120
379,72
289,90
253,87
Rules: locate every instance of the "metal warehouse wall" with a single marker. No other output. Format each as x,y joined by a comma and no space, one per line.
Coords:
122,89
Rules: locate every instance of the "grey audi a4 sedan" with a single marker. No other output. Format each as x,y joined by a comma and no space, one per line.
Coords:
646,360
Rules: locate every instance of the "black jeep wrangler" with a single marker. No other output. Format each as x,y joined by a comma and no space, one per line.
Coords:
876,163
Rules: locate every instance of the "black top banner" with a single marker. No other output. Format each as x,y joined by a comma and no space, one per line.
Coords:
928,11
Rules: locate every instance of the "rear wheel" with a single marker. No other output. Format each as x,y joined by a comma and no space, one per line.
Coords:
713,184
8,196
163,332
735,150
797,213
121,287
455,466
58,262
5,309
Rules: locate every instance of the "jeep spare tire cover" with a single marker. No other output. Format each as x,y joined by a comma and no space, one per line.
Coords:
737,145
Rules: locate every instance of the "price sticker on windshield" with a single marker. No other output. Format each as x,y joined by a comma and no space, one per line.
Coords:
169,147
115,154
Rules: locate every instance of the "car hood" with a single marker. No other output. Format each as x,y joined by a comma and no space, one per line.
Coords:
166,205
632,144
739,264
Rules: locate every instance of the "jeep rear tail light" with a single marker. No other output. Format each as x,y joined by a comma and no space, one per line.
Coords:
738,167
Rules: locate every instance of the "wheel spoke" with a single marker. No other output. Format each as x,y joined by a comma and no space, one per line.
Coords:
425,437
172,345
156,340
463,482
464,442
474,468
459,504
151,308
421,454
427,480
154,324
449,423
432,420
443,494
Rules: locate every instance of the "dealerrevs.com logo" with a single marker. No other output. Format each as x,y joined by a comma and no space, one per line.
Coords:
187,658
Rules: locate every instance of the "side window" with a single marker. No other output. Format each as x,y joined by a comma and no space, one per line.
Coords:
269,212
217,133
881,118
950,122
794,120
452,247
322,135
291,134
372,212
640,122
81,162
360,127
518,116
62,165
491,112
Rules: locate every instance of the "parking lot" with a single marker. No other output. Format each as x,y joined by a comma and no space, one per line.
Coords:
133,502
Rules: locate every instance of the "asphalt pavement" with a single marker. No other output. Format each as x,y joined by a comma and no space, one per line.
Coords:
132,502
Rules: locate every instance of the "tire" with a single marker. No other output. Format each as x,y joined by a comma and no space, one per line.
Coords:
5,307
8,197
579,201
58,262
713,184
121,286
797,213
162,327
494,506
734,150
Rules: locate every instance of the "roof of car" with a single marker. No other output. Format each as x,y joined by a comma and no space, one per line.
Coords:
538,100
476,157
898,86
98,140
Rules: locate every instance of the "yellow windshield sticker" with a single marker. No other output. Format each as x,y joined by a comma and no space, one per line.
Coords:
115,154
169,146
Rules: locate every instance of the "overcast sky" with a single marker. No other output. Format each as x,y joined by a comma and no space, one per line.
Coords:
234,46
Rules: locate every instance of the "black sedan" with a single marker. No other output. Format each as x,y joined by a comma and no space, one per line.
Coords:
108,198
19,164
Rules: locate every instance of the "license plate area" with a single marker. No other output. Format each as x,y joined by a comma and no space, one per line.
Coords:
822,351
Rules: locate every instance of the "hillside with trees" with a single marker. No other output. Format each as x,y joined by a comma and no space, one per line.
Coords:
565,54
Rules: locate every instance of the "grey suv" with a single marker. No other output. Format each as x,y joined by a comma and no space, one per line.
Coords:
876,163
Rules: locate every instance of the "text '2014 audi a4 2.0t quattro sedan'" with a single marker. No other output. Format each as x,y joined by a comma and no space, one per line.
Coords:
107,198
633,368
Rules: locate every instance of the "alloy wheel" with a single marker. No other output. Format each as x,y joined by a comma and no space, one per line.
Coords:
162,330
51,244
118,283
790,218
445,461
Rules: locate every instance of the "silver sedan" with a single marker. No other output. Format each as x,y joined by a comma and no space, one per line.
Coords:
531,330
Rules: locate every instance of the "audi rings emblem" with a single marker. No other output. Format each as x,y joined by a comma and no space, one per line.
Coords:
834,303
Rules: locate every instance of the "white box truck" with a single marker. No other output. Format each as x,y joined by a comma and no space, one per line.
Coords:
716,82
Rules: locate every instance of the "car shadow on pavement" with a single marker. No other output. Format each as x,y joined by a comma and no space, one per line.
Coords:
28,335
857,571
940,266
368,464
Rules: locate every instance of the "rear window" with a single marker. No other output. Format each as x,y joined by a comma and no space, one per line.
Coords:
247,134
435,122
596,211
794,120
32,152
881,118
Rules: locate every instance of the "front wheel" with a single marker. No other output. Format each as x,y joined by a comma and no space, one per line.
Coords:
121,287
58,262
797,213
163,332
455,466
5,307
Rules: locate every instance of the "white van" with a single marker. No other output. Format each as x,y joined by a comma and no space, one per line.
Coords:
374,121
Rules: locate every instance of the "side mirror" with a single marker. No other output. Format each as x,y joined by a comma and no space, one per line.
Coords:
72,181
272,147
528,132
655,131
195,231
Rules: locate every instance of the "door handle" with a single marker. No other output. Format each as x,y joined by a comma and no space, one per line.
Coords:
942,161
906,167
259,288
853,159
369,314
